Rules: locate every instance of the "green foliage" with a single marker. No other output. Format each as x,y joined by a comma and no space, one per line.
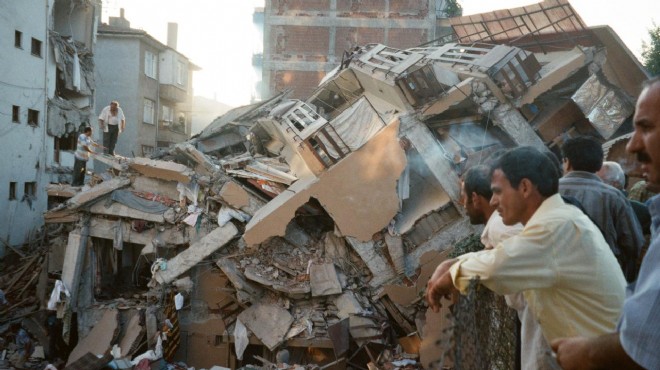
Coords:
453,9
651,51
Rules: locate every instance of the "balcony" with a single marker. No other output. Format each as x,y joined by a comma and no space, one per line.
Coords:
173,93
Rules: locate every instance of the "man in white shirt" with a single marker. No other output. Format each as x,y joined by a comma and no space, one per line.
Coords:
113,123
81,156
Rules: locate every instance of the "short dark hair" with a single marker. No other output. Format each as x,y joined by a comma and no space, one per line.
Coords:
87,129
477,180
527,162
555,161
584,153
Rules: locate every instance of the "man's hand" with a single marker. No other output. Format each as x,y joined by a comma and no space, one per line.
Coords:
440,285
573,353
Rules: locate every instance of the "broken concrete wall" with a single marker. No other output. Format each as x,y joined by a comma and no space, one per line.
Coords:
358,192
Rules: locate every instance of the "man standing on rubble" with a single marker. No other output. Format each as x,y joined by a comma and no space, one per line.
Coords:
560,261
113,123
634,345
605,205
81,155
475,197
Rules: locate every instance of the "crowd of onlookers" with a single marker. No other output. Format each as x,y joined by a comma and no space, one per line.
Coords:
571,251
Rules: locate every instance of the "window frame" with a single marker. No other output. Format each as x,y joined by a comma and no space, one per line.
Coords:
30,115
30,189
181,73
16,114
149,150
12,190
37,45
152,111
167,121
18,39
150,64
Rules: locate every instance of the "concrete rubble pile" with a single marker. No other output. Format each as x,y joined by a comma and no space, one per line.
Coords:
303,232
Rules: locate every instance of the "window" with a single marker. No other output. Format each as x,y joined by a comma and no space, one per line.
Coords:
181,73
167,115
18,39
150,64
36,47
147,150
30,189
149,111
12,190
33,117
15,114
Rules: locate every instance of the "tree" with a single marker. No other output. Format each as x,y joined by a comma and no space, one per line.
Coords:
453,9
651,51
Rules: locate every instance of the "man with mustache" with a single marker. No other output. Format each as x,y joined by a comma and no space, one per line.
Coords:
634,345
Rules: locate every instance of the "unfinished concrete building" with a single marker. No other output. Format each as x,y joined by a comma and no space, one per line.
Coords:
313,224
303,40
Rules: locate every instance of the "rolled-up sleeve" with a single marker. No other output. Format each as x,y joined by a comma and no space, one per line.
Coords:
519,263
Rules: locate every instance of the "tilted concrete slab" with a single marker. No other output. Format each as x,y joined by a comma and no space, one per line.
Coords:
104,229
163,170
323,279
178,265
120,210
99,340
268,322
156,186
234,195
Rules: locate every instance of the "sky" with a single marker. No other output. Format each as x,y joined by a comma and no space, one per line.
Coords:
220,37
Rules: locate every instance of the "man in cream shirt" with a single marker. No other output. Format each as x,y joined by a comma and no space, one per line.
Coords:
475,197
113,123
560,261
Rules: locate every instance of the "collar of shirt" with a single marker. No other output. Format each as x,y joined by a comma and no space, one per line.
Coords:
548,204
654,209
583,175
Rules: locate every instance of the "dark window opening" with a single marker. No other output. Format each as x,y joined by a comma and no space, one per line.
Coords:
67,142
30,189
12,191
33,117
15,114
36,47
18,39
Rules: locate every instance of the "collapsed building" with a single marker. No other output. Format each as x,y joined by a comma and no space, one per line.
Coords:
313,225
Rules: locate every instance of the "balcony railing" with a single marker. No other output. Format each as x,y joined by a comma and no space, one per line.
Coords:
173,93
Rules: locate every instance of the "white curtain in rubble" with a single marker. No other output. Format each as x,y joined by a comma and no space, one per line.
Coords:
354,127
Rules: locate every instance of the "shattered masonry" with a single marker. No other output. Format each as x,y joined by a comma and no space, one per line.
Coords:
316,223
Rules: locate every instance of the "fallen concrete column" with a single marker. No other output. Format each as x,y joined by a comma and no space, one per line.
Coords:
432,154
74,258
513,123
97,191
215,240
